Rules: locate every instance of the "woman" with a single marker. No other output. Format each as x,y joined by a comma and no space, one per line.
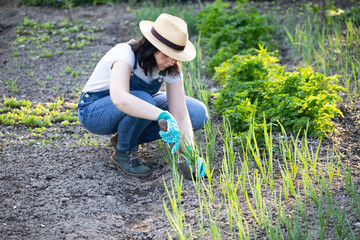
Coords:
122,95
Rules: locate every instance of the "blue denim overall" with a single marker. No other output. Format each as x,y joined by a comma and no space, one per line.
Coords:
99,115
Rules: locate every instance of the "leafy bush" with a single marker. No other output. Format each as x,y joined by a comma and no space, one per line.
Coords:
226,32
256,85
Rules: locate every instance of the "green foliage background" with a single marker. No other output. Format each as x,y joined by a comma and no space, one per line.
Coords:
228,31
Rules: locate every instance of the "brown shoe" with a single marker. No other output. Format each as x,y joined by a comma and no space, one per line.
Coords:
130,163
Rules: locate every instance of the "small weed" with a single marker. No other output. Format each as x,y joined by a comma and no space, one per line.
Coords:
30,33
45,53
78,90
12,86
31,142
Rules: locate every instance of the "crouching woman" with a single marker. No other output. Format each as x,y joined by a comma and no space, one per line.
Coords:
122,95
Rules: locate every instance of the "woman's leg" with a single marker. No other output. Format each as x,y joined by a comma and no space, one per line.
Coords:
103,117
130,128
197,112
99,115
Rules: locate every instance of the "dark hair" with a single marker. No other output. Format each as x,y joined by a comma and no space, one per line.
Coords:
145,56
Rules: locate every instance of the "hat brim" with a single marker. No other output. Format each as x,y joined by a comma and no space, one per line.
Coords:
188,54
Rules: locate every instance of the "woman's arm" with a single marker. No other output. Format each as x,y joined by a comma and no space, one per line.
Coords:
177,107
123,100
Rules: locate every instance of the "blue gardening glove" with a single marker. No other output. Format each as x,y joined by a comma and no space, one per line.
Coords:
172,135
200,168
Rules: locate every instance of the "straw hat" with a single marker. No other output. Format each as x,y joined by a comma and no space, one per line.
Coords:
169,34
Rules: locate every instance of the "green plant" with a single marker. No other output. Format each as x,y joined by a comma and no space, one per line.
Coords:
12,86
255,84
227,32
23,112
45,53
13,103
78,90
49,77
243,190
72,35
177,219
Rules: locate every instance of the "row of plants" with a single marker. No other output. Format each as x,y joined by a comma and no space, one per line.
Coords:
278,178
15,112
286,188
36,40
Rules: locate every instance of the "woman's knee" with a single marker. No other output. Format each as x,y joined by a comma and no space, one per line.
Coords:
198,113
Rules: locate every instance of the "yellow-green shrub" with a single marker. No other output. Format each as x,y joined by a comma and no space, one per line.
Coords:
256,84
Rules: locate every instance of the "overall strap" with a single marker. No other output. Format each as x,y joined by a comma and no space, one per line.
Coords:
135,64
162,73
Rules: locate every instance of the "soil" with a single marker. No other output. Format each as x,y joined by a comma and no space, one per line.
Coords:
66,187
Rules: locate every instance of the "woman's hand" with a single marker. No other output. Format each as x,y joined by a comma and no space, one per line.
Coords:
172,135
200,170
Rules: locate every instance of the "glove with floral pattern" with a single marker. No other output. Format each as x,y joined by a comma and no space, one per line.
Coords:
172,135
200,168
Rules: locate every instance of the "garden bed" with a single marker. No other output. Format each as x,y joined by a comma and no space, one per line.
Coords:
57,182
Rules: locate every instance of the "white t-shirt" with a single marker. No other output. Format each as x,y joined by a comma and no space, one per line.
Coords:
100,78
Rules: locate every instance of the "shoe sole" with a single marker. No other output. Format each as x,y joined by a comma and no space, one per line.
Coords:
129,173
